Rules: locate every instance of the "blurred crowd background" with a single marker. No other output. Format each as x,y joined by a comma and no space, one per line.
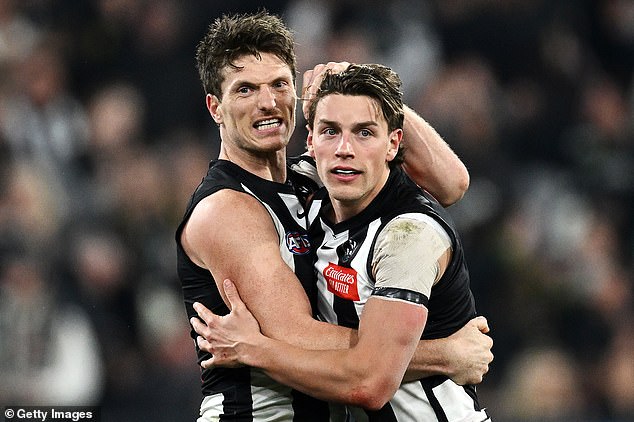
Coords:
104,134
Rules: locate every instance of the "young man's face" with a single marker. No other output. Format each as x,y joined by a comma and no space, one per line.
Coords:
257,110
352,147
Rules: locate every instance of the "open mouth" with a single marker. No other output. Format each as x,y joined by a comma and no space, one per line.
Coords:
345,172
268,124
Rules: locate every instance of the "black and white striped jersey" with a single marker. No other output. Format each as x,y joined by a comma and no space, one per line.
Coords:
247,394
346,279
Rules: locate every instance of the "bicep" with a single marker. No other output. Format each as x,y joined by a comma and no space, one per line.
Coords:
243,245
389,330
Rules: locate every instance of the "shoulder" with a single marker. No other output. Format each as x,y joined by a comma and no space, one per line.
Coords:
223,217
227,206
413,230
413,223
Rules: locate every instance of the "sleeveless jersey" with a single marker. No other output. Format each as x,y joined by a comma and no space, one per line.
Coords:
345,281
247,394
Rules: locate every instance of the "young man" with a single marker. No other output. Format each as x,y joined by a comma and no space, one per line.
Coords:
246,222
389,262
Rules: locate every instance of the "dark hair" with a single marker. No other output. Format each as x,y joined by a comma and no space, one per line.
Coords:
371,80
231,37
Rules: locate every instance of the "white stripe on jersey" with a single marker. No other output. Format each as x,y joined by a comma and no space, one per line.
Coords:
410,403
271,401
456,403
210,408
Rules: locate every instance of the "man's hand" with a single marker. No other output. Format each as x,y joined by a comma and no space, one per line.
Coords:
225,336
469,352
312,80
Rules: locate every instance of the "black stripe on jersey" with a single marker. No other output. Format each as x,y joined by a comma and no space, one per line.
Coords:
435,404
308,409
385,414
345,309
401,294
471,391
346,312
235,386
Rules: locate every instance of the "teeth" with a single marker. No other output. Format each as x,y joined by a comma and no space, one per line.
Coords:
268,124
345,171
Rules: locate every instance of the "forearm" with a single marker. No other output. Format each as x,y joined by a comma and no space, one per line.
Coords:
430,358
430,162
325,374
306,332
464,356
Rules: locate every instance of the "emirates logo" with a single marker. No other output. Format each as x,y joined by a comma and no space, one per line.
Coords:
341,281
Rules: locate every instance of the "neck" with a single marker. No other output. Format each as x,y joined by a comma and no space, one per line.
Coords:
343,210
270,165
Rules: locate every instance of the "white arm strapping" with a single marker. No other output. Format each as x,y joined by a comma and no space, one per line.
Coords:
407,251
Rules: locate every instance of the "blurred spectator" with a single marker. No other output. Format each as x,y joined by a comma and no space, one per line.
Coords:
116,121
41,120
542,386
48,349
98,276
619,372
44,121
18,34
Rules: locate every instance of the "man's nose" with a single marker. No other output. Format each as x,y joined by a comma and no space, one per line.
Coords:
344,147
266,98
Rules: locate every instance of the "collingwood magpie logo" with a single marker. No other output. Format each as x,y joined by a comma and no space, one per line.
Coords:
347,250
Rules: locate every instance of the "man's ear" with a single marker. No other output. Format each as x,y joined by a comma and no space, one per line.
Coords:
395,141
309,142
215,108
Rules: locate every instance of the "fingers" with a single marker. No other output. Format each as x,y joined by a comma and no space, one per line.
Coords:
204,313
205,346
481,324
206,364
208,319
312,80
196,324
307,81
233,297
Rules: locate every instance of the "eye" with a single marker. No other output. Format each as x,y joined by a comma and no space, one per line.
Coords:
244,90
280,84
365,133
329,132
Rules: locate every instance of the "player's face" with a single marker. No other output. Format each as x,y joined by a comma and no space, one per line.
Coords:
256,113
352,147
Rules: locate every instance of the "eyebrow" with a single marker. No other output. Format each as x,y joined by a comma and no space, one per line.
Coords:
245,82
358,125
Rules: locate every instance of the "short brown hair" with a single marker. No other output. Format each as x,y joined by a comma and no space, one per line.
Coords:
231,37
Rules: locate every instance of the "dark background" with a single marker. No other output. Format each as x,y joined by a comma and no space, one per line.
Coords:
104,134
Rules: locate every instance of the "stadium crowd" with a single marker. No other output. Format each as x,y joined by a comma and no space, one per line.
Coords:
104,135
